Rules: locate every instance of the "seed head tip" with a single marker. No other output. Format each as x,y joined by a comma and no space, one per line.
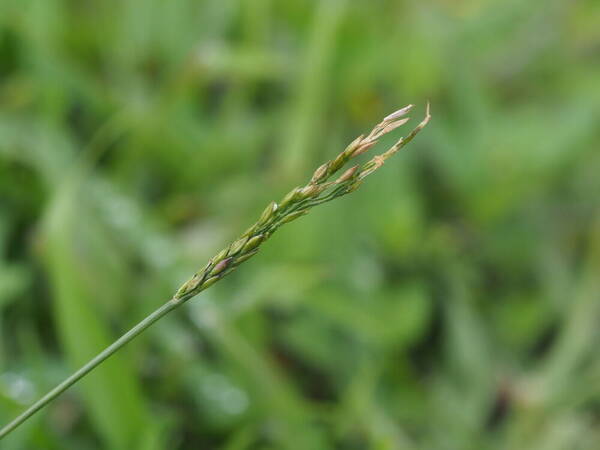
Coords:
401,112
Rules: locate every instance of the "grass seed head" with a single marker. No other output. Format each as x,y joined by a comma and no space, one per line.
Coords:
299,201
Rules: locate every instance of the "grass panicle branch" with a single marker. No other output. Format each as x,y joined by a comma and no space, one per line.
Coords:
327,183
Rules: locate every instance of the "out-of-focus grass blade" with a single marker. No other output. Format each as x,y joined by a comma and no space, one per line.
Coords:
111,393
310,92
578,338
284,409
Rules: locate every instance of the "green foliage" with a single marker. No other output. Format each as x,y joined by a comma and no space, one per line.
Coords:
450,303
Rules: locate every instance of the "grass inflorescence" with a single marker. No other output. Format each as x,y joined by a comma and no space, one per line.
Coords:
321,188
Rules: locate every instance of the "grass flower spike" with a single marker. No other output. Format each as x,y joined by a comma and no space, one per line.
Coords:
300,200
330,181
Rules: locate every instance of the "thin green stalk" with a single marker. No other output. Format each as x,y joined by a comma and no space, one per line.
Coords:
297,203
87,368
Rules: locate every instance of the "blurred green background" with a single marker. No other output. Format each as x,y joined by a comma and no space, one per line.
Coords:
451,303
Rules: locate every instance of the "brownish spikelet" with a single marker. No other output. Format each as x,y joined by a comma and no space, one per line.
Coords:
347,175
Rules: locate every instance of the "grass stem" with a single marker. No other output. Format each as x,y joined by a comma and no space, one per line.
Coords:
91,365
